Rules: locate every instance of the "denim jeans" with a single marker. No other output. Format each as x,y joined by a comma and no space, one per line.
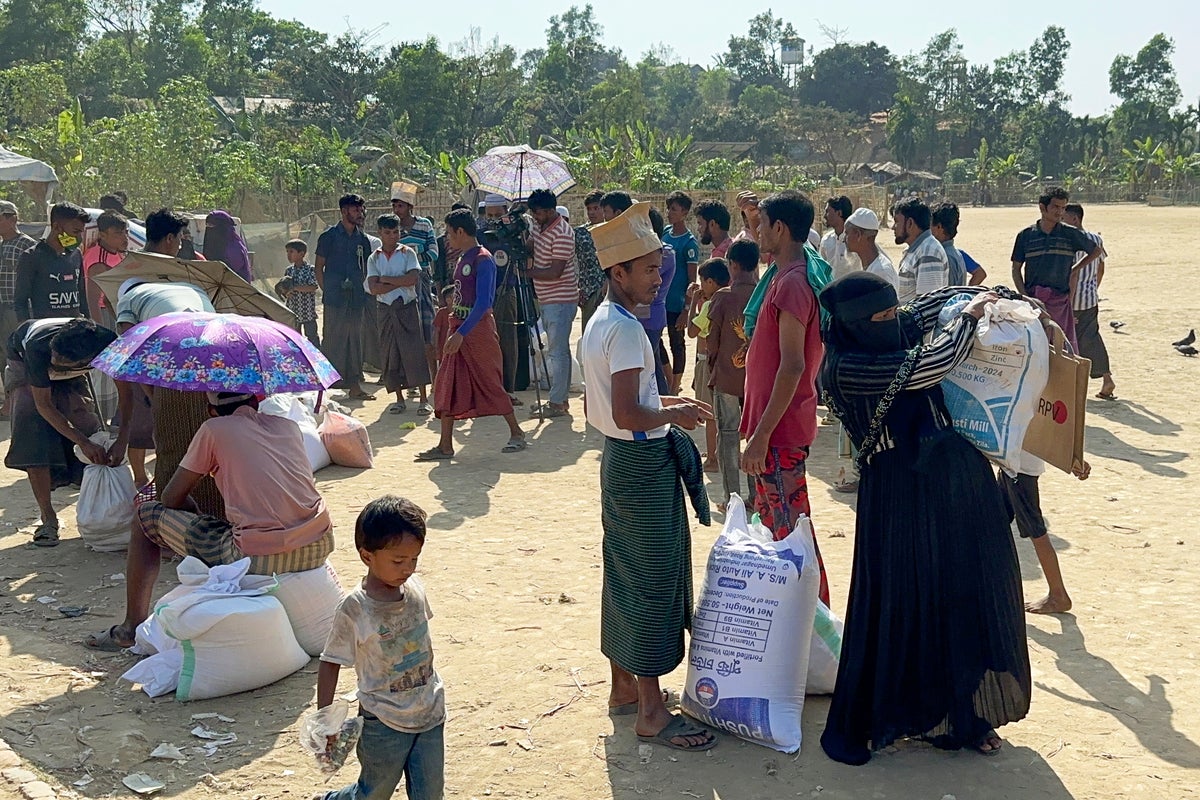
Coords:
728,410
386,755
557,319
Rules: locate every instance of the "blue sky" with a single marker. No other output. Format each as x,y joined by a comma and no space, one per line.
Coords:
699,29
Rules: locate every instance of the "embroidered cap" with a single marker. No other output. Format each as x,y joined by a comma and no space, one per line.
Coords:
627,236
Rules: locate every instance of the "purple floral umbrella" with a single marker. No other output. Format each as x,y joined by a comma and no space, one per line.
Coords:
198,352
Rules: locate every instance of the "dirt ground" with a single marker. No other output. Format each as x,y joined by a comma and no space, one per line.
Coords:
512,566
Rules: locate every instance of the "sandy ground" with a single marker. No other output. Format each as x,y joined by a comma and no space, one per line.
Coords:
512,566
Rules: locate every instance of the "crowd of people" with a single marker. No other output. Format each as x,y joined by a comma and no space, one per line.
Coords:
782,320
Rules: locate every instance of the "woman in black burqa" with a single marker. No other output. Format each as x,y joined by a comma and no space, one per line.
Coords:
934,644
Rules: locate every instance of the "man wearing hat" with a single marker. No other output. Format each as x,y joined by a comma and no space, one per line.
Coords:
647,594
13,245
419,234
861,230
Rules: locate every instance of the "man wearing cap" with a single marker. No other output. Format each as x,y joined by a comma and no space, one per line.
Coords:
860,232
419,234
273,512
341,267
554,280
924,267
646,600
13,245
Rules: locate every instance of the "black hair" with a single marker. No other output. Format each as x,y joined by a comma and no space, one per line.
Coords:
793,209
617,200
81,340
1074,208
714,211
456,205
351,200
163,223
110,220
64,212
463,220
744,253
656,221
593,197
114,201
1053,193
681,199
386,520
390,221
913,208
227,409
945,214
717,269
447,291
296,244
842,205
542,198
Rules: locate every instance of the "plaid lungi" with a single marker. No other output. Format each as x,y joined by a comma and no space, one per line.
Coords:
211,540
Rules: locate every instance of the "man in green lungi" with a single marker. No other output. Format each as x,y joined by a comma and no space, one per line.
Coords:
648,461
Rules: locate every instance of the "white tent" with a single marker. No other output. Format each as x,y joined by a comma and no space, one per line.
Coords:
37,178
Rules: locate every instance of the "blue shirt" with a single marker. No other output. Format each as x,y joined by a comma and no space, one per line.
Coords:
658,309
345,257
687,251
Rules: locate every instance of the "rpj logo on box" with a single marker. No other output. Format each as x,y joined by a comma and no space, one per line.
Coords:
1056,410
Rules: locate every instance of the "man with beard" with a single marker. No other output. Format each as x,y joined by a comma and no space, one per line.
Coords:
713,217
341,266
924,267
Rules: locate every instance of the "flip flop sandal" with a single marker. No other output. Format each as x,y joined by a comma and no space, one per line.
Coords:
45,536
106,642
1103,396
433,454
425,409
515,445
516,401
846,487
680,727
397,408
547,412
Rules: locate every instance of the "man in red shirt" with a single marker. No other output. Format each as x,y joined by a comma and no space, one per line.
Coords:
779,417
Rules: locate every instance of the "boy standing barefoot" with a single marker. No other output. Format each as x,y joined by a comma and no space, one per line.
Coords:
382,630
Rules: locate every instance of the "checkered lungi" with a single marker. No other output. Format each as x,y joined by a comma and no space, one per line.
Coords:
211,540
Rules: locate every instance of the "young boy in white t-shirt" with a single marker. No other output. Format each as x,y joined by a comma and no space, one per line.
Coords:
382,630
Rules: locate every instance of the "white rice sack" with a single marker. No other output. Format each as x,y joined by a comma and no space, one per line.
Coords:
310,599
826,651
105,509
993,395
752,632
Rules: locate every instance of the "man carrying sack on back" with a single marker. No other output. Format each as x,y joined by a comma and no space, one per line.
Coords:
647,594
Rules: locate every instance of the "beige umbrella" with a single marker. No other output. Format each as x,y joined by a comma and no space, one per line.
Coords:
229,292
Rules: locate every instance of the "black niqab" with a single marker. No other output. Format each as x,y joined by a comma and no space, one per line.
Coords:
851,302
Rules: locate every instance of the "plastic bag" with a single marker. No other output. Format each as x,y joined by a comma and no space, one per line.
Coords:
825,653
294,407
105,508
346,440
752,632
332,720
993,395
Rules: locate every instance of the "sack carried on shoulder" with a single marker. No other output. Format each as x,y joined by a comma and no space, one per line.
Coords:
1057,431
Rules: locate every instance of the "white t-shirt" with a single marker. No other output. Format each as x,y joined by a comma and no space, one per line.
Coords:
614,342
402,261
388,645
883,267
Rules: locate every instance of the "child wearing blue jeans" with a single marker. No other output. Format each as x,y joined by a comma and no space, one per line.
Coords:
382,630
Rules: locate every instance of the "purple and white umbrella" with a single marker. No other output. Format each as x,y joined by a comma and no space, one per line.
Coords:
514,171
200,352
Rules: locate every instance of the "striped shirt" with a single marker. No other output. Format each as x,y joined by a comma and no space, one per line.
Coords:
555,242
422,238
1087,291
11,251
1048,257
923,269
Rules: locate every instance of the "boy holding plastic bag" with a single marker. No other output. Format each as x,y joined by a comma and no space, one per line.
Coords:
382,630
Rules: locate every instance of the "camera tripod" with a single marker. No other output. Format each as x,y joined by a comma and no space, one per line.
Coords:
526,319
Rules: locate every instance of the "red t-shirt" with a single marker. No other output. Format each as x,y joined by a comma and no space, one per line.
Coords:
789,293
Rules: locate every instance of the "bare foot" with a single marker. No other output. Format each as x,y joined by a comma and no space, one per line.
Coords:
990,744
1050,604
711,465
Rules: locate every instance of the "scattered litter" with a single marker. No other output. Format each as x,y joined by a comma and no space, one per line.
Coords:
949,797
644,753
408,426
565,598
525,744
117,576
497,742
143,783
213,715
73,611
287,773
216,737
84,781
169,752
47,600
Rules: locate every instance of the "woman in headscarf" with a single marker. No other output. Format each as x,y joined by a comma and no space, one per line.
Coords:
222,242
934,644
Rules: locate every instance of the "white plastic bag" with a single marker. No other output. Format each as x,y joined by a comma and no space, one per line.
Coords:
993,395
825,653
310,600
295,408
752,632
105,508
332,720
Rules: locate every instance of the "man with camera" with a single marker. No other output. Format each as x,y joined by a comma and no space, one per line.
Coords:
557,287
341,267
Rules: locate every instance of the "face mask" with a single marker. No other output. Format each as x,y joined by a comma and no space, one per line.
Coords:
874,337
67,241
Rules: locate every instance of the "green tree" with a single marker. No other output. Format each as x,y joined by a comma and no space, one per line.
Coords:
32,94
860,78
34,31
754,57
175,45
1148,89
109,78
414,82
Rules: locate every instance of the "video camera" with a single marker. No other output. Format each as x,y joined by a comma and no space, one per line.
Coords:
506,238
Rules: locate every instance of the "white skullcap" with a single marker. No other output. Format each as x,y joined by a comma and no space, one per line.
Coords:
864,219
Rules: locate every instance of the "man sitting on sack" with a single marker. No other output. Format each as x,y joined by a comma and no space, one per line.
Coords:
273,512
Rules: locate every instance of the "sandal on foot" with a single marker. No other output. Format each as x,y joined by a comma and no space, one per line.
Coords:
1103,396
983,742
397,408
361,396
679,727
433,454
106,641
515,445
846,487
425,409
45,535
547,411
516,401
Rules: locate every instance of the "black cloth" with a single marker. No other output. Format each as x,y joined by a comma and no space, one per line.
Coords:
1048,257
1091,343
34,441
29,345
48,284
1023,502
934,640
345,257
